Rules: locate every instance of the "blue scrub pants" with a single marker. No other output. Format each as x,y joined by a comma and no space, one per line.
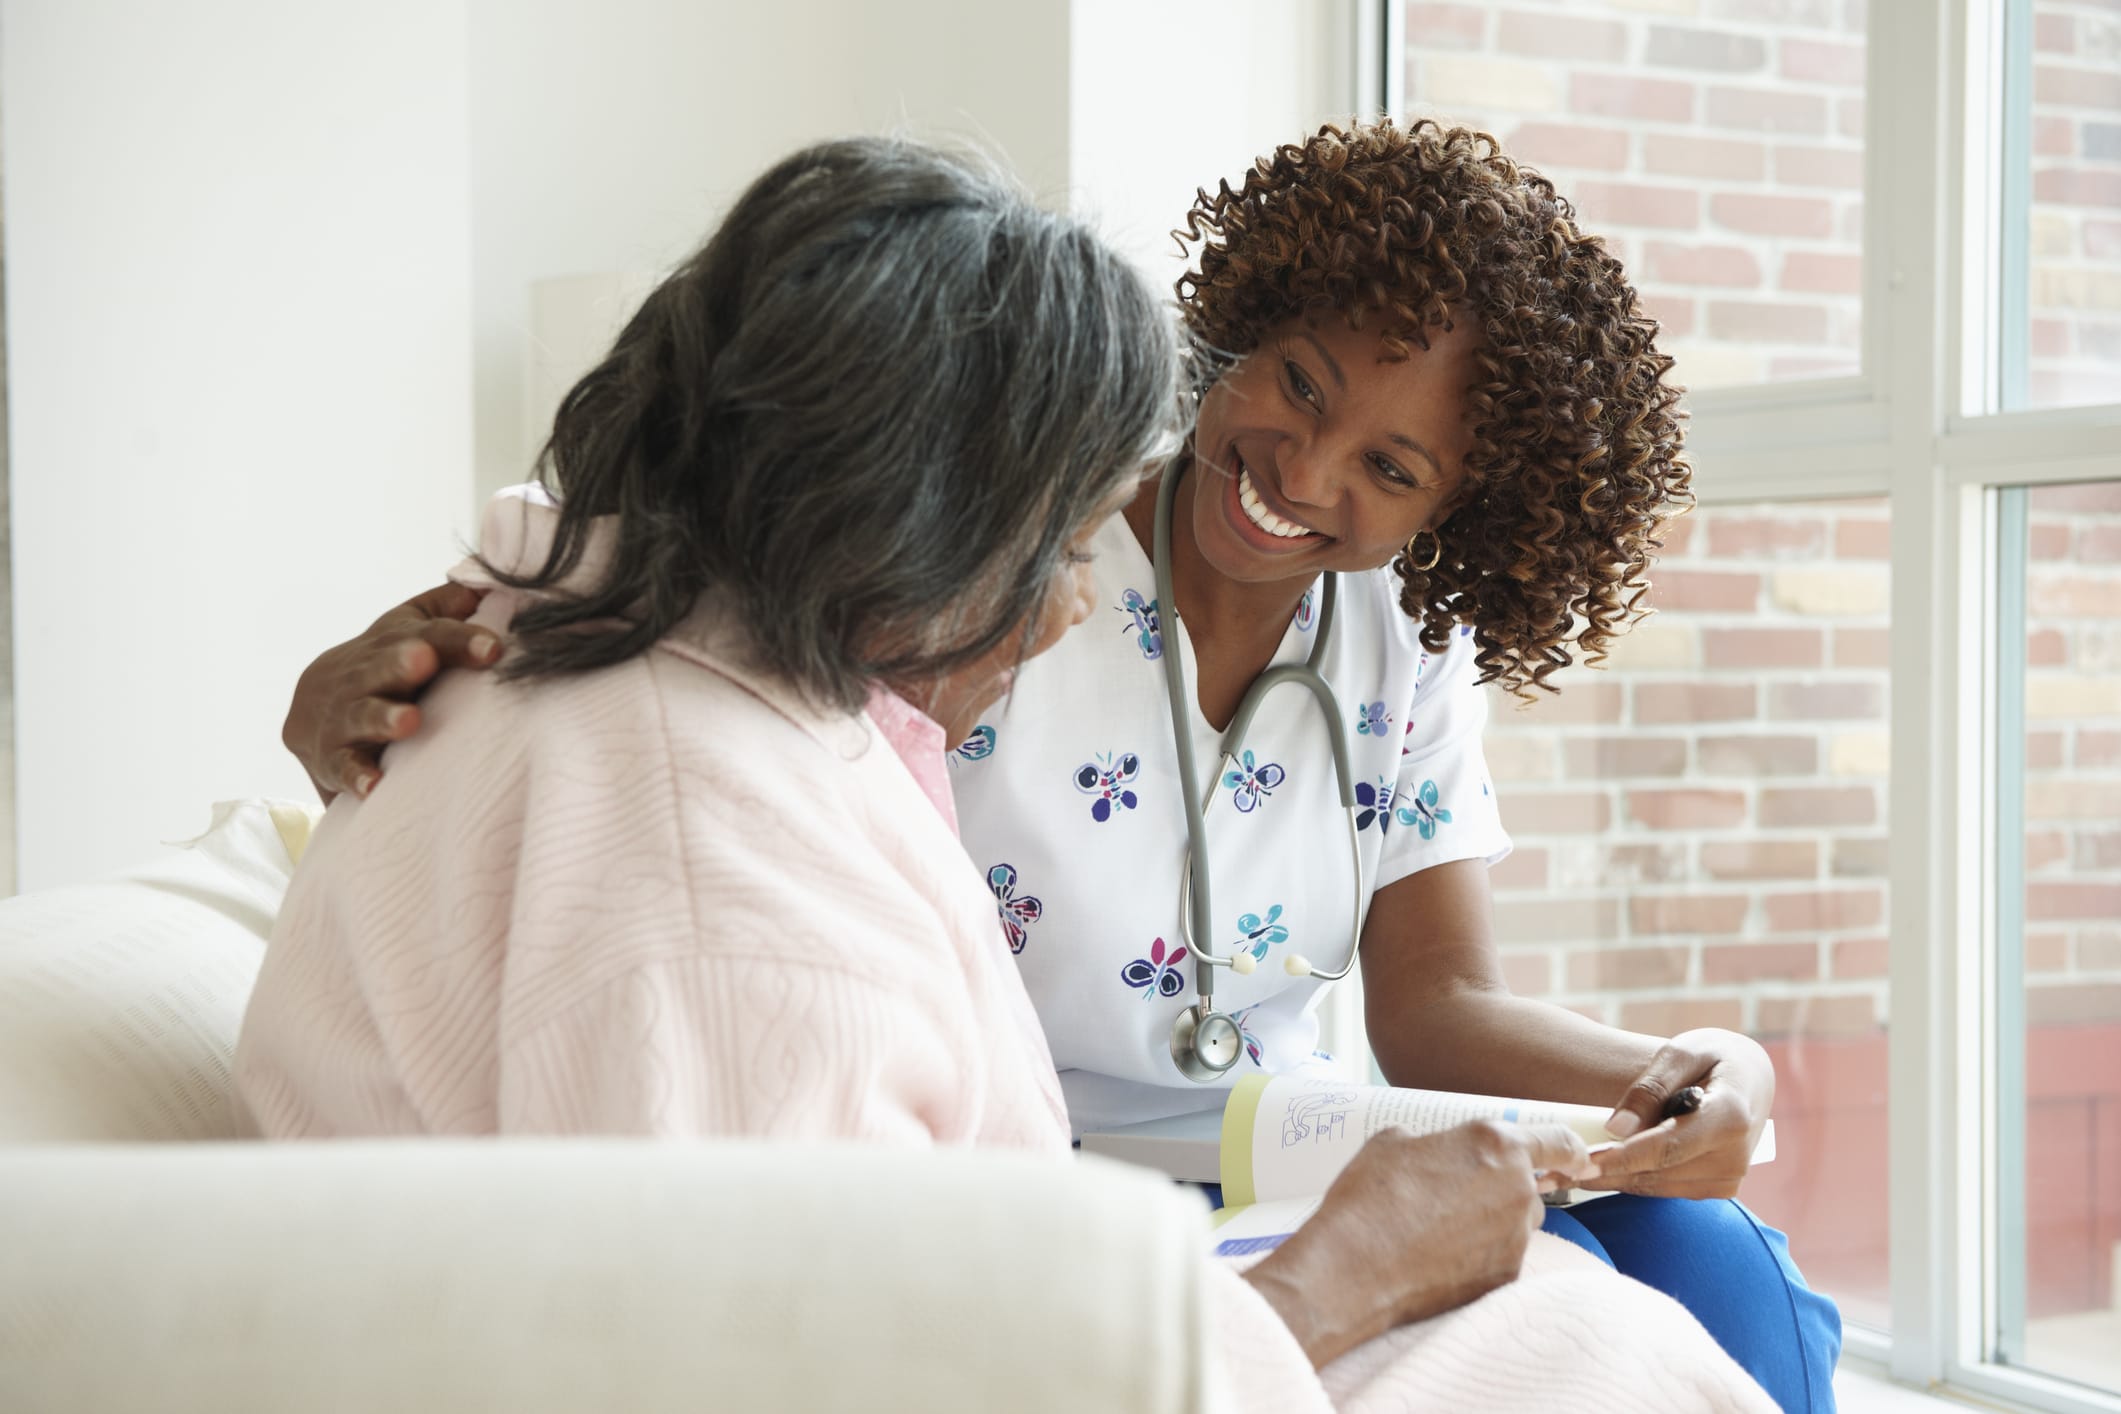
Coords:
1733,1272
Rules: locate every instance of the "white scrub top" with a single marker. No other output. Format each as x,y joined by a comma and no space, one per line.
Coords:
1068,798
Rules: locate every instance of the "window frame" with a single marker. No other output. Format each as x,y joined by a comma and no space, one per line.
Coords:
1920,425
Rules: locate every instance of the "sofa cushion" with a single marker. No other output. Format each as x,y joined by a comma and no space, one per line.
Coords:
120,1000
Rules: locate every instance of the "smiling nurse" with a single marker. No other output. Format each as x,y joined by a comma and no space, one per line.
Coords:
1430,383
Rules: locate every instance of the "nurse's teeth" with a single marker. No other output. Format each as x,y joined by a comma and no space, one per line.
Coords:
1257,512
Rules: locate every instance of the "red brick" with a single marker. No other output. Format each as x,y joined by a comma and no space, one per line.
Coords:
1862,647
2043,750
1524,869
1627,969
1686,809
2075,596
2046,902
1700,265
1669,1018
1860,858
1660,703
1678,534
2077,186
1720,50
1623,865
1550,812
1811,217
1823,912
1661,100
1862,957
1829,701
1756,962
1684,155
1758,755
1528,974
2049,337
2098,850
1704,591
1836,167
2054,137
1633,204
1849,119
1816,1016
1673,311
1688,914
1446,26
1760,859
2054,34
1580,704
2046,648
1766,110
1552,920
1771,537
1767,322
1812,61
2047,540
2099,544
2045,847
2100,952
1816,272
2102,239
1608,757
2076,496
2072,1004
2068,87
2046,952
1863,539
2096,748
1798,806
1561,37
1762,648
1570,145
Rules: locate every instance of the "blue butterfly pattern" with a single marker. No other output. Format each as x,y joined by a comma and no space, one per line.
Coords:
1146,624
1376,803
977,747
1307,610
1106,779
1260,933
1371,719
1157,974
1251,782
1425,814
1017,913
1252,1046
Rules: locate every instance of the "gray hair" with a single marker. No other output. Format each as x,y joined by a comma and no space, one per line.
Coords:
871,413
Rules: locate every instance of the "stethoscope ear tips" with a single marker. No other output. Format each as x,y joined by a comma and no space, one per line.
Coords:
1243,964
1296,965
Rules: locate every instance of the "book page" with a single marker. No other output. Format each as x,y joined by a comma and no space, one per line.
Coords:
1288,1138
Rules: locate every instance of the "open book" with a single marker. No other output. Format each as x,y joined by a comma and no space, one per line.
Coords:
1284,1140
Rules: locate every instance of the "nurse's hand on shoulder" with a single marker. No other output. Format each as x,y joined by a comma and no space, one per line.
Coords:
1704,1154
1414,1226
357,698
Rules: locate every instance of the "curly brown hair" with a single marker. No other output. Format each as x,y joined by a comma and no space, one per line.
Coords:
1577,436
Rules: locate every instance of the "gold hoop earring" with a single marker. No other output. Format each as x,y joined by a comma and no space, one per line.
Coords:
1435,554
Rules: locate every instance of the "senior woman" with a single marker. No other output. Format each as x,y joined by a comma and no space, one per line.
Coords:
1440,392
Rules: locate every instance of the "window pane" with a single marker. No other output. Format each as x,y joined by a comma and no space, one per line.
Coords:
2060,1240
1700,831
1719,150
2063,122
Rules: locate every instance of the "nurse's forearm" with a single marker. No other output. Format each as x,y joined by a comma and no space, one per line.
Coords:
1483,1040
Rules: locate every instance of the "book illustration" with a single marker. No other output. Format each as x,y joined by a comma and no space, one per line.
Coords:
1321,1117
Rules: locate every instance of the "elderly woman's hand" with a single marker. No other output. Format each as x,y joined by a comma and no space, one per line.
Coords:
1699,1155
357,698
1415,1225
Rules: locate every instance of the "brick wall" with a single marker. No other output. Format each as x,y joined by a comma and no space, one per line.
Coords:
1718,144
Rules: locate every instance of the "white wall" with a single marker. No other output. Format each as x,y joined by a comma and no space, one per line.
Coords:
238,305
269,273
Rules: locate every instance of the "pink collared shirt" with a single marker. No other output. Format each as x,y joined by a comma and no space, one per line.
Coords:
919,741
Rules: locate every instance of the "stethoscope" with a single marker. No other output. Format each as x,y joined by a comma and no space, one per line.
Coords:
1205,1042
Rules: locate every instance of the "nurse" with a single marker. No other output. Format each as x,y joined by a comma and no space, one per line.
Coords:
1433,385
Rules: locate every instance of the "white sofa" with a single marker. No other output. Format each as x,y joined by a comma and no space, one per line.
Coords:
152,1259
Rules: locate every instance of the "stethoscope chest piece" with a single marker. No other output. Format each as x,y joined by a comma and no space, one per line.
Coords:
1204,1047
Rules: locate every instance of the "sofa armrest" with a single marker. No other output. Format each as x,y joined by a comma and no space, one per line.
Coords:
592,1275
